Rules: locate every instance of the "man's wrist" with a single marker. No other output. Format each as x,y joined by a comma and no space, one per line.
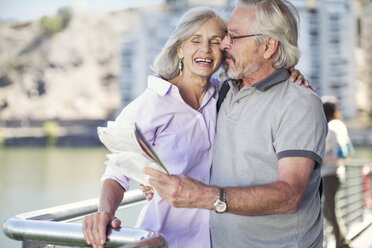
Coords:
211,197
220,205
206,196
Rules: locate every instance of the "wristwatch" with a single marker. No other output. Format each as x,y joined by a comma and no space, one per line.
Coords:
220,205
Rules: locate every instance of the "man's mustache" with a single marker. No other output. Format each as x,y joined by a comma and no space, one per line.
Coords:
227,55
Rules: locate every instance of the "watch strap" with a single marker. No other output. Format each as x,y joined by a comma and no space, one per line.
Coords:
223,193
221,199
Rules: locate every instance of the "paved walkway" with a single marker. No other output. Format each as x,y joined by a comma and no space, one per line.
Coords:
359,233
363,240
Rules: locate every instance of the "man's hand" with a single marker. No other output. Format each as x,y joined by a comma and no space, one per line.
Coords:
181,190
95,226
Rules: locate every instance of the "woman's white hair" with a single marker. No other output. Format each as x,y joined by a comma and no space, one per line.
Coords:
277,19
166,63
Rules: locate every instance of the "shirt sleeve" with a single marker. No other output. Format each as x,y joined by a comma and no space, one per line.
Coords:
112,173
145,111
302,129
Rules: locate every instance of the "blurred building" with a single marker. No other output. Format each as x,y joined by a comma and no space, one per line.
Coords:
364,56
327,42
140,47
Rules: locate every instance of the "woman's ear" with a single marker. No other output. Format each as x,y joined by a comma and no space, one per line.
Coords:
271,47
180,52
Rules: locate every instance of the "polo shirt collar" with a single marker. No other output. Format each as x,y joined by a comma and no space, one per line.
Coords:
278,76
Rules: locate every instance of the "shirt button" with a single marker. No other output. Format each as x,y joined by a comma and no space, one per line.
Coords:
204,155
206,179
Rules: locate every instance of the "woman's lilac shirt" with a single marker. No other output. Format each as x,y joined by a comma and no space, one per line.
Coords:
183,138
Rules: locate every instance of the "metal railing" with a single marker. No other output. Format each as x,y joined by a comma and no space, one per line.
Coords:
50,226
354,199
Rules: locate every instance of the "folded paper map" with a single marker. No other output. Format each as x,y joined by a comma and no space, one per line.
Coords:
130,151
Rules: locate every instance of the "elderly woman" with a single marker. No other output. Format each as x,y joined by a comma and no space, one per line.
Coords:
177,114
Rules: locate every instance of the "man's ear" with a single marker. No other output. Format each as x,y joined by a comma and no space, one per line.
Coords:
271,47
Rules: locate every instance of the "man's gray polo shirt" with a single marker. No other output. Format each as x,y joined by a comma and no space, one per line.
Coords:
256,127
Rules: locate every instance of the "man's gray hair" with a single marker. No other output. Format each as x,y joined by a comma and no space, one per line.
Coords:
277,19
166,63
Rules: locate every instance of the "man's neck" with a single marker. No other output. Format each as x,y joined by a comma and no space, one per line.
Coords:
257,76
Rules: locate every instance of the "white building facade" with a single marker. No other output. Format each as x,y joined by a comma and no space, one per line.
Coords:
364,56
327,42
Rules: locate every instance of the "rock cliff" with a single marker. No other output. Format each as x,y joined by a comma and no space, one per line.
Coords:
62,67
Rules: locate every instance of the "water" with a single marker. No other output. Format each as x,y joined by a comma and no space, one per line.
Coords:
363,153
37,178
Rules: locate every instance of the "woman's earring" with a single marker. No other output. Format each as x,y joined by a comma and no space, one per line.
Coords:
180,66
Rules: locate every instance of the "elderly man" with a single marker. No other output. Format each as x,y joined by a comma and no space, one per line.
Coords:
269,142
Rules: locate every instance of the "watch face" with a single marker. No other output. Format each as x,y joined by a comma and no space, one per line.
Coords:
220,206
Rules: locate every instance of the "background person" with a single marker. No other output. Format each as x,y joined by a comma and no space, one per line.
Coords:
338,148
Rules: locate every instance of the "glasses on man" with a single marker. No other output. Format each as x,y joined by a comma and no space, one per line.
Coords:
232,37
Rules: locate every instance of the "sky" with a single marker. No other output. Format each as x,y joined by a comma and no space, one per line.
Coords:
26,10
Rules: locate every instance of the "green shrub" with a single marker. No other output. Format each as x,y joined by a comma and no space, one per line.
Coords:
57,23
2,140
51,130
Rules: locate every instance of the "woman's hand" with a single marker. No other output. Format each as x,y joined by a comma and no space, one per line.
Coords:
95,226
147,191
296,76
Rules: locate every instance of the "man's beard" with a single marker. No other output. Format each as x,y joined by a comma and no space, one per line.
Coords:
240,70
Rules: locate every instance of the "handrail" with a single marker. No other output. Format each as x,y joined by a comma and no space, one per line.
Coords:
353,199
43,226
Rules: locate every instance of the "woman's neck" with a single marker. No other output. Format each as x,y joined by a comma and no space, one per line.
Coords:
192,89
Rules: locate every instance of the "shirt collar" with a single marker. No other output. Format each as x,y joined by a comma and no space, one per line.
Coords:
162,86
158,85
274,78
